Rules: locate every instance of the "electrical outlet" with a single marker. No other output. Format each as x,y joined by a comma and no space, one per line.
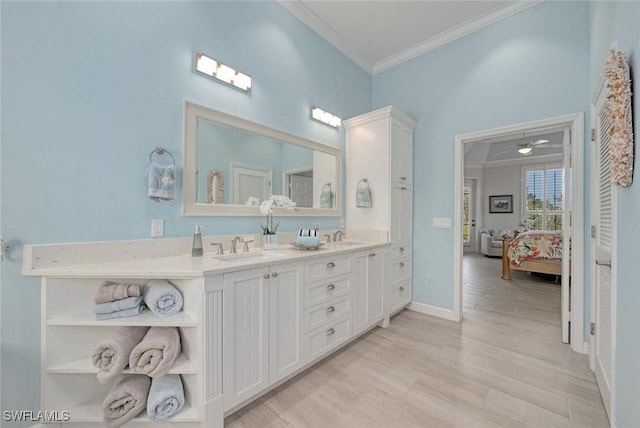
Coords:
157,227
341,223
442,222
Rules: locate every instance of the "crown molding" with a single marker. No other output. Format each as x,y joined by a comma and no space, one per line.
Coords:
453,34
318,25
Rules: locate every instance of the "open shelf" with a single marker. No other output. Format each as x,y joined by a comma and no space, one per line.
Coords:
92,412
147,318
182,365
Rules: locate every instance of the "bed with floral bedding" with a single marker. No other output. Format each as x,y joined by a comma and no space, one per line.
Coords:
533,251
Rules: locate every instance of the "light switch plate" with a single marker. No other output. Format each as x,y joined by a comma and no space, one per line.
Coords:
442,222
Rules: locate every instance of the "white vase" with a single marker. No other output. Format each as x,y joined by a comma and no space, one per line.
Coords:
269,242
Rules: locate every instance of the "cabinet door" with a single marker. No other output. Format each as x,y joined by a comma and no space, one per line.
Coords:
375,285
401,213
401,153
246,320
285,320
360,293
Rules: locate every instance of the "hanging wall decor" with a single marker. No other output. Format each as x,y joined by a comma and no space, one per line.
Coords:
616,71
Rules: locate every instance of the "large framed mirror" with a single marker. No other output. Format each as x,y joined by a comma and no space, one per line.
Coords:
230,165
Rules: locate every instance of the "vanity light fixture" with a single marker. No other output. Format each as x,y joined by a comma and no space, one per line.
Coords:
213,68
325,117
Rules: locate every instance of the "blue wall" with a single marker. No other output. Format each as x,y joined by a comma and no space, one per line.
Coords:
531,66
90,88
619,22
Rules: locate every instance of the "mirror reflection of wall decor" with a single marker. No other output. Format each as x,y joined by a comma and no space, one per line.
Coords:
215,187
501,204
221,142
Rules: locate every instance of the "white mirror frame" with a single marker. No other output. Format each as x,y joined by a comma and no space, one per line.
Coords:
190,205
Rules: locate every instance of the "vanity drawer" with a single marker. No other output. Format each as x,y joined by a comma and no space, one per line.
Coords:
400,270
399,296
319,269
399,251
319,315
322,340
321,292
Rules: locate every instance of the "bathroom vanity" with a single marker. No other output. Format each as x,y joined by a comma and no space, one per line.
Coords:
263,316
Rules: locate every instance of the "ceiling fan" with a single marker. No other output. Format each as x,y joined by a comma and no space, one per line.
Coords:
526,148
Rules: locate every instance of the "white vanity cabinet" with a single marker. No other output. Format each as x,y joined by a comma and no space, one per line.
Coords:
70,333
370,268
262,329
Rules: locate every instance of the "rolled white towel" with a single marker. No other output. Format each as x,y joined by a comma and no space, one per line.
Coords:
166,397
162,297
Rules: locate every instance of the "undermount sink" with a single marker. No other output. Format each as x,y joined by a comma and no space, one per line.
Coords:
231,257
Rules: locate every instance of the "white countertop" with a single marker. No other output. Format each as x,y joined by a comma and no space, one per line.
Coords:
185,266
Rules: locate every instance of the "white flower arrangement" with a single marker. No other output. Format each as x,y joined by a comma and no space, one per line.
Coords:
269,227
252,201
616,71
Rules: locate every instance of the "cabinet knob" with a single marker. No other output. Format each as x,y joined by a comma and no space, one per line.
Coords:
401,289
331,287
401,249
274,274
331,309
372,254
331,265
331,331
403,178
266,276
401,264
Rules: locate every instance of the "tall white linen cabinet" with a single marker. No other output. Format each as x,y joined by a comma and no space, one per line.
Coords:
379,155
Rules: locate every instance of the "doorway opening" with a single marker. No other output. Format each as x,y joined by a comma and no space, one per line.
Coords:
298,186
572,129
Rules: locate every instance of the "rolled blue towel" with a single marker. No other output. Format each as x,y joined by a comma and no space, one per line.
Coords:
117,305
162,297
308,241
166,397
131,312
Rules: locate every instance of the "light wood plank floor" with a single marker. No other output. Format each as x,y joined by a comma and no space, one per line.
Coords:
503,366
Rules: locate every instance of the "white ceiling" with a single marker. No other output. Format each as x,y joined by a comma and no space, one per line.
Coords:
504,150
378,35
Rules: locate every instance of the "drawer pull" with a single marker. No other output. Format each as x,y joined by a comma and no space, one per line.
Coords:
331,265
331,287
275,274
401,249
266,276
403,188
401,289
403,178
372,254
401,264
331,331
331,309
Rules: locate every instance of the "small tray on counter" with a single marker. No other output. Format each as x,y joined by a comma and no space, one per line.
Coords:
307,247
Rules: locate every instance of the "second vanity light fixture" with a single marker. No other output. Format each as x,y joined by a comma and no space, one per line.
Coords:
325,117
213,68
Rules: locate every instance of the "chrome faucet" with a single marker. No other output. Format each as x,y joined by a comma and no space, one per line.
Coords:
234,243
220,249
337,236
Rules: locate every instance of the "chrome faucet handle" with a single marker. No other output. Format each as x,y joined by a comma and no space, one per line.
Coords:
220,249
328,238
245,248
234,244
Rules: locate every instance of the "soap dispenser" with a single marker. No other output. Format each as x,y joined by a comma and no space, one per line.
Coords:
196,248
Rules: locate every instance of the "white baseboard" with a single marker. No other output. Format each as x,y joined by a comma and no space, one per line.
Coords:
435,311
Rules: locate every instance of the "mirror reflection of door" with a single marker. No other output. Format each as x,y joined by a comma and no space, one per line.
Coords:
300,188
249,181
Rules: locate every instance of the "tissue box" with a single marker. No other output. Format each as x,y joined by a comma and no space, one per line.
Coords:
308,241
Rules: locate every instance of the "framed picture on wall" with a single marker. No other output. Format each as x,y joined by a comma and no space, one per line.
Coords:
501,204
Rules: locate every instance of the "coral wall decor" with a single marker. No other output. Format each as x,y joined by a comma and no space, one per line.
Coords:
616,71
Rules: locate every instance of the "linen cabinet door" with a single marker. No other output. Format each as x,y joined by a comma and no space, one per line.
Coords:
285,320
401,153
360,293
376,262
246,346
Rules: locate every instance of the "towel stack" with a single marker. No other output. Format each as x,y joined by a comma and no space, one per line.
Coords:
162,297
308,238
115,300
149,353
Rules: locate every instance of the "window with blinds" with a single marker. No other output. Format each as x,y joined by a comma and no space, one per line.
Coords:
543,188
466,214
